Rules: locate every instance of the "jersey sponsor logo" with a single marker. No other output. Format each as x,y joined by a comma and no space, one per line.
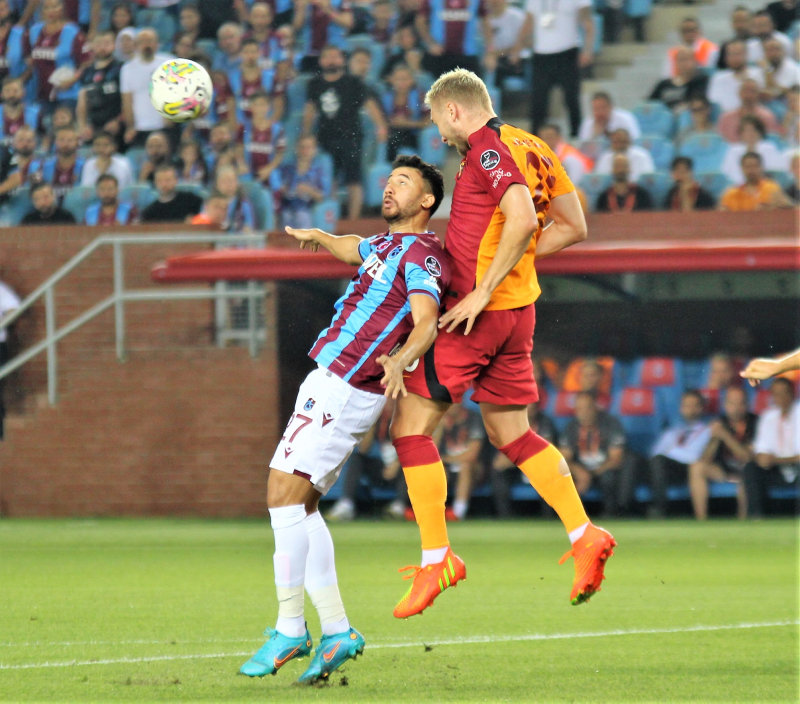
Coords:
433,283
383,246
326,418
395,252
497,175
433,266
489,159
309,404
455,15
375,267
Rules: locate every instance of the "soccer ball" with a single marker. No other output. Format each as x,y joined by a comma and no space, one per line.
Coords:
181,90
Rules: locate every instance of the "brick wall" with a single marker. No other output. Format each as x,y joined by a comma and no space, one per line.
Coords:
180,428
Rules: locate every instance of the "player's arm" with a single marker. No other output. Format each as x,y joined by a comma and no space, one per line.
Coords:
568,225
344,247
425,314
520,224
759,369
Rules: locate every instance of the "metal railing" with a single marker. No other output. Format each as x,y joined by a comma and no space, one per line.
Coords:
251,291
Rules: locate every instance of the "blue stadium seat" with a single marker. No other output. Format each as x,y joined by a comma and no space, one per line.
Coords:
140,194
296,94
638,8
657,184
593,148
695,372
715,182
161,21
431,147
17,206
326,214
637,410
706,149
784,178
374,183
593,185
655,119
263,207
196,188
561,408
665,376
661,149
136,156
77,199
376,50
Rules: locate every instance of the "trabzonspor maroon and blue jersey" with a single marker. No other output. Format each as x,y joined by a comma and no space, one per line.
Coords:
373,317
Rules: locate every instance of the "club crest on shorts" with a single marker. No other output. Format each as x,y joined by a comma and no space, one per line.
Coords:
433,266
309,404
489,159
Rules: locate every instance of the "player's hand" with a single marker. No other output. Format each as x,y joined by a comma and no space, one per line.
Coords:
306,238
758,370
468,308
392,379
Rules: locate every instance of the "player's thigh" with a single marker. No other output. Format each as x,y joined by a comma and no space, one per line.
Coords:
416,415
290,490
504,424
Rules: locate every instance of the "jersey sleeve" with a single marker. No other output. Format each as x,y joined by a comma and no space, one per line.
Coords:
426,272
365,247
496,167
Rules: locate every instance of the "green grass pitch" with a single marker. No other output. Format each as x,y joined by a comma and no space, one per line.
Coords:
167,610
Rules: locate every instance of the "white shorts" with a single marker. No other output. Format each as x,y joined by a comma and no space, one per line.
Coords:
330,418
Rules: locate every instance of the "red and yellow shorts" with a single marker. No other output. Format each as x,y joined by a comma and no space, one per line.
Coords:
495,359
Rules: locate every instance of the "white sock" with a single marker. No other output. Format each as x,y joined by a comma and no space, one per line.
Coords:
432,557
577,534
460,508
289,560
320,580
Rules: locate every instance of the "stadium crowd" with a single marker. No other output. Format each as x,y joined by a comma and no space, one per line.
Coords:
314,98
642,437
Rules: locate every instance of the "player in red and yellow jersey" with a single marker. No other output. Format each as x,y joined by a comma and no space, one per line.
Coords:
509,185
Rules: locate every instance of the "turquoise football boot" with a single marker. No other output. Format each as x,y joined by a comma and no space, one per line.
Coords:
275,653
332,652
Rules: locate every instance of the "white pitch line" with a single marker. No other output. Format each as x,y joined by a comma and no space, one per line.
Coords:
460,641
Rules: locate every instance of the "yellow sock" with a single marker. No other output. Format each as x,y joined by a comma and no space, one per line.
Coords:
427,487
549,474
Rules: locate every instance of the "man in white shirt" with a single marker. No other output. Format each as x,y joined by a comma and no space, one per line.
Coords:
606,118
105,161
678,447
763,28
559,54
138,113
508,41
9,301
640,160
776,447
723,88
778,72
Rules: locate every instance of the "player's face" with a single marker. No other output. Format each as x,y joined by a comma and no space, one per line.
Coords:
735,404
443,116
403,195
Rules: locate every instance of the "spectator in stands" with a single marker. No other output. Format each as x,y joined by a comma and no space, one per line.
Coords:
106,161
107,210
14,112
191,164
560,54
792,191
763,29
784,14
304,182
189,21
215,13
687,82
721,372
58,55
264,143
757,192
790,123
593,443
214,212
9,302
729,449
63,170
157,151
334,99
240,216
13,51
138,113
229,41
379,21
752,138
509,50
741,19
723,88
606,118
403,103
686,195
700,119
249,78
359,64
677,447
46,210
405,49
318,24
172,205
778,71
125,45
776,447
639,158
730,121
121,17
591,374
183,47
705,51
624,195
269,49
99,100
576,163
62,116
16,161
223,149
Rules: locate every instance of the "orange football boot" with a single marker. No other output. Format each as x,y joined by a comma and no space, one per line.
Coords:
429,582
591,551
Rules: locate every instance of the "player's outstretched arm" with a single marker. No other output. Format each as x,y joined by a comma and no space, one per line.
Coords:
344,247
759,369
425,313
568,226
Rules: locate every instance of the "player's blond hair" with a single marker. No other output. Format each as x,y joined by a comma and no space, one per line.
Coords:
462,87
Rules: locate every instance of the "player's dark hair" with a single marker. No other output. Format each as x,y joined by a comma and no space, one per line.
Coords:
430,174
684,160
